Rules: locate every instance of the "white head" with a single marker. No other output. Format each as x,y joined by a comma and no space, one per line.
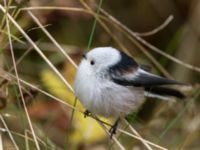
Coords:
100,58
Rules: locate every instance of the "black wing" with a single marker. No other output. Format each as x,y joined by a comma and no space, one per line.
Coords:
141,78
128,73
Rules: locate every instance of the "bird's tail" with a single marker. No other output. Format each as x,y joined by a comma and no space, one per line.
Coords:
163,93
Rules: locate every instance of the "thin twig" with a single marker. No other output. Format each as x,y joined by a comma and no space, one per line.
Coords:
136,137
74,9
156,30
13,36
51,38
136,133
1,141
53,8
9,133
26,140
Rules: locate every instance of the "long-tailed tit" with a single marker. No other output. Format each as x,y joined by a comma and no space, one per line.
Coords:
110,83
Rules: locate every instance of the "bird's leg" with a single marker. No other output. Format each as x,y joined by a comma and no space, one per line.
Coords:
113,128
87,113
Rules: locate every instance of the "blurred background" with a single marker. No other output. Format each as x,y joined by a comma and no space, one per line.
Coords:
143,29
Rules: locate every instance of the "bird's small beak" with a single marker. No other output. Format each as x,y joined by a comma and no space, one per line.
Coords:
84,56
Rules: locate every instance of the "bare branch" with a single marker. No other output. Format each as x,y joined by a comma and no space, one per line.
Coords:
51,38
9,133
138,135
159,28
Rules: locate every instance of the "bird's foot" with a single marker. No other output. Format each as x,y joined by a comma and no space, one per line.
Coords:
87,113
113,129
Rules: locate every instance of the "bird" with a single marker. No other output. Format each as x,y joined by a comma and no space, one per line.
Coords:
111,83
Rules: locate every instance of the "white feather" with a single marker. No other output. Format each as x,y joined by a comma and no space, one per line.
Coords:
168,98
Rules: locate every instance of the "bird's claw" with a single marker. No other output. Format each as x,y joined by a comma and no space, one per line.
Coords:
112,130
87,113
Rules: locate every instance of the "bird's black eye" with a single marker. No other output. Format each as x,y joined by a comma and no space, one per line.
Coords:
92,62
